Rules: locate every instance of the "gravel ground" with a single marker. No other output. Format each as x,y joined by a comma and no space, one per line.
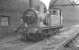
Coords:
13,43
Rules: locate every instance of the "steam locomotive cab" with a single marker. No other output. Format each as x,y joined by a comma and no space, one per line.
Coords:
54,18
36,28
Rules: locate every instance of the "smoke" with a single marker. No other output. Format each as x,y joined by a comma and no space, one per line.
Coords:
46,2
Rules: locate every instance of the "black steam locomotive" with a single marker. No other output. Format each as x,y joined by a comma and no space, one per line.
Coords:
36,28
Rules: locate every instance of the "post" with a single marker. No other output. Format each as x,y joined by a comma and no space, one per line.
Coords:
30,3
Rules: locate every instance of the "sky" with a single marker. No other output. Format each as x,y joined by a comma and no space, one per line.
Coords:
46,2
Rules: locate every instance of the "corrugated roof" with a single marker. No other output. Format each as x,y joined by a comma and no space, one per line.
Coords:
64,2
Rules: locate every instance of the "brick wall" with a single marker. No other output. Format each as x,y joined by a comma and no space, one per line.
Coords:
14,9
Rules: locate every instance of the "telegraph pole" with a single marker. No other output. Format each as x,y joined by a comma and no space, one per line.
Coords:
30,3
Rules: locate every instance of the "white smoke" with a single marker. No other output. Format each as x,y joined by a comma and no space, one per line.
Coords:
46,2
